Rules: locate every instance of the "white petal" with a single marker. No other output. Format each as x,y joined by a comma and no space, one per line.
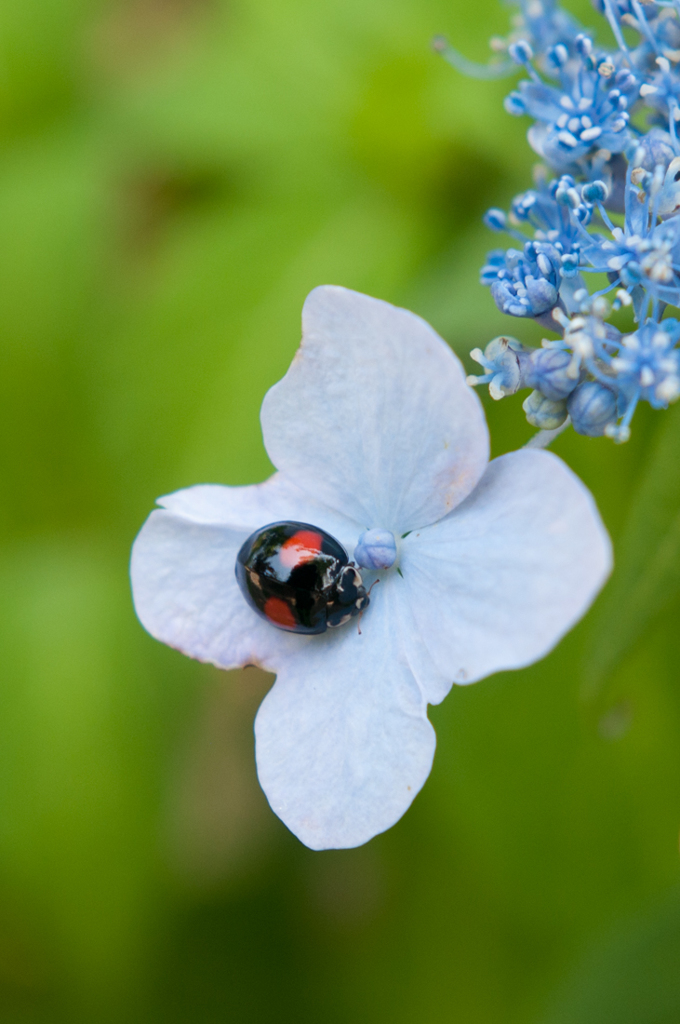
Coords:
374,416
182,569
186,595
248,508
343,743
434,681
498,582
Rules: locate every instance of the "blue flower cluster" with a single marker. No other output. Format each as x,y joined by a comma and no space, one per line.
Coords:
606,200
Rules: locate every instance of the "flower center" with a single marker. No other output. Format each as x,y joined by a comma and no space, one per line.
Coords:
376,549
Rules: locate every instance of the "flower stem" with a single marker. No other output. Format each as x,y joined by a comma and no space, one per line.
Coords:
545,437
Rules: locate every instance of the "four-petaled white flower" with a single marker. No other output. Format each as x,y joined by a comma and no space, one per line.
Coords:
374,427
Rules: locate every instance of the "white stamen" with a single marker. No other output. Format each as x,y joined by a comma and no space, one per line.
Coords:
567,139
590,134
544,264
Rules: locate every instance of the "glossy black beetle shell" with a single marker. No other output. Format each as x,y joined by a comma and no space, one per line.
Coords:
298,578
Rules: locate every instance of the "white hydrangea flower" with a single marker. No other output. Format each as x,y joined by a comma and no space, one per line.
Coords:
373,427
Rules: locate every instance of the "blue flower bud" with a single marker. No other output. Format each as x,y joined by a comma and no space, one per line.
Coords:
570,264
558,55
567,180
495,219
654,148
495,262
541,293
520,52
523,204
625,79
553,372
595,192
377,549
583,44
514,104
543,413
592,406
566,193
502,359
525,283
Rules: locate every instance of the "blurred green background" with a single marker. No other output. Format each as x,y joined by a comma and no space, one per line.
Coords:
175,176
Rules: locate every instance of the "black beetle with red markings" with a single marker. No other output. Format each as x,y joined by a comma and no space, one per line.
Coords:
299,578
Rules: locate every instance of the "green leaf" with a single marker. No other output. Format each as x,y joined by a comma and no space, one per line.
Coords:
647,573
632,977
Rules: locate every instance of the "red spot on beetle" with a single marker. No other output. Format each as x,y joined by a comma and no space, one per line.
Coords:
302,547
276,610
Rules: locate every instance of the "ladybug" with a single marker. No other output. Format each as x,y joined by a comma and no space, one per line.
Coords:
299,578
